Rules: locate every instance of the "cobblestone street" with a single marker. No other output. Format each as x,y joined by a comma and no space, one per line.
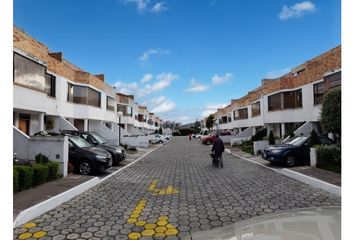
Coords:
171,192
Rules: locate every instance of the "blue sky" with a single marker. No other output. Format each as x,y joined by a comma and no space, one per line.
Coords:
184,58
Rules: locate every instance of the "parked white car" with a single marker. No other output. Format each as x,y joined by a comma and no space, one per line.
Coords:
158,139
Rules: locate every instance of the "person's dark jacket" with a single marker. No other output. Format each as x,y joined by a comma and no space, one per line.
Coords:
218,147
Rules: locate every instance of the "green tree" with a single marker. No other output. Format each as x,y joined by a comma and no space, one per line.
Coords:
210,122
331,112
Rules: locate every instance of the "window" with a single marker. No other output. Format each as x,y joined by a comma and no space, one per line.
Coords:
223,119
229,117
31,74
318,92
83,95
256,109
241,114
292,99
50,85
122,108
333,80
274,102
129,111
285,100
110,103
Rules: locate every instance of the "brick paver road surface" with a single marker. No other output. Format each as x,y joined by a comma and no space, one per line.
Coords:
174,191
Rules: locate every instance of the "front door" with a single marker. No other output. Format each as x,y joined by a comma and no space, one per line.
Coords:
24,123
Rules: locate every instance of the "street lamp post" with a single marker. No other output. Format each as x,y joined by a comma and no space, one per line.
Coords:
120,115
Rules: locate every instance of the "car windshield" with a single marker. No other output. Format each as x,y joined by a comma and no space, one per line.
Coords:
297,141
99,138
80,142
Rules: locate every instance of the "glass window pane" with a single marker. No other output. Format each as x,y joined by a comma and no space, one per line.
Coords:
256,109
28,73
274,102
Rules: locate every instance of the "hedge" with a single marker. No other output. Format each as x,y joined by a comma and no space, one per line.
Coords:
16,180
25,174
53,168
40,174
329,158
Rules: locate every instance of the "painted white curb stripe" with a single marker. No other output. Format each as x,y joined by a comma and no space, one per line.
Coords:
300,177
312,181
51,203
42,207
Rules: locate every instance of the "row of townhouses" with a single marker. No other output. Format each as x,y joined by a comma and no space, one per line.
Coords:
290,102
52,94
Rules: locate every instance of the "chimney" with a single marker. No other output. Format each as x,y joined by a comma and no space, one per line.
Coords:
100,76
57,55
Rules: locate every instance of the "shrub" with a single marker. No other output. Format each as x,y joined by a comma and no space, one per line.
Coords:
271,138
41,159
259,135
247,146
24,176
331,112
16,180
314,138
329,158
40,174
53,168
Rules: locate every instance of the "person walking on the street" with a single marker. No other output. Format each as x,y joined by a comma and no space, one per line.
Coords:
218,149
190,136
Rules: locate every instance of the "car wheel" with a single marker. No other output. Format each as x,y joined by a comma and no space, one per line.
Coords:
160,141
290,160
85,167
208,142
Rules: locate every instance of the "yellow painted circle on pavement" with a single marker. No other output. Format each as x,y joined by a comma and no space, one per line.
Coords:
30,225
161,223
160,235
148,233
140,223
134,235
39,234
160,229
163,218
150,226
170,226
134,215
132,220
25,235
171,232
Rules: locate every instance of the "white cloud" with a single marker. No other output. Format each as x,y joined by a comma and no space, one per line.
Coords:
126,88
211,108
164,80
141,5
183,119
297,10
153,51
216,79
158,7
196,87
162,105
277,73
146,78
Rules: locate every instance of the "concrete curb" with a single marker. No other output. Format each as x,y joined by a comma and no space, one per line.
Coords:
42,207
312,181
299,177
51,203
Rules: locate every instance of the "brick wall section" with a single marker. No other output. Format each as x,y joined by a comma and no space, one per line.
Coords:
314,71
55,62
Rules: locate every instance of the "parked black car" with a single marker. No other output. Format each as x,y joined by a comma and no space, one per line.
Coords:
118,153
294,152
86,158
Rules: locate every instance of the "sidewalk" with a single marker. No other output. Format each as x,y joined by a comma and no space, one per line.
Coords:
28,198
311,172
